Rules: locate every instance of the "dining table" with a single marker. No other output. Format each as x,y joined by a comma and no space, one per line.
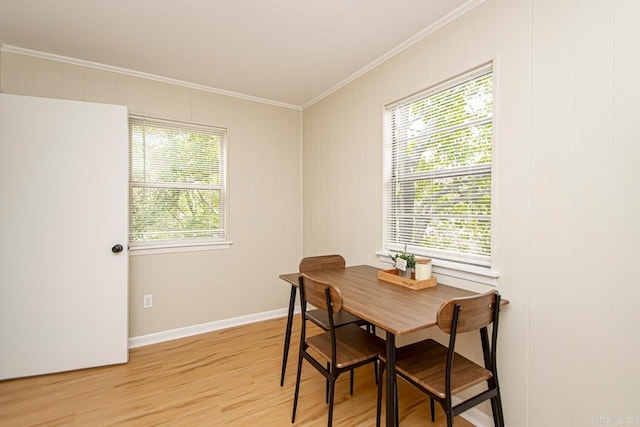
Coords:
395,309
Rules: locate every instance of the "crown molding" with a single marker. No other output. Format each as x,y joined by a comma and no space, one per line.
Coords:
119,70
461,10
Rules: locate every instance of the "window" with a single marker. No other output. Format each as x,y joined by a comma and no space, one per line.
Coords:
176,183
437,178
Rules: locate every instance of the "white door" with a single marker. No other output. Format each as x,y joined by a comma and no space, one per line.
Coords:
63,207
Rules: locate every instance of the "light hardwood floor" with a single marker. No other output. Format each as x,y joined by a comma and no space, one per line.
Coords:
223,378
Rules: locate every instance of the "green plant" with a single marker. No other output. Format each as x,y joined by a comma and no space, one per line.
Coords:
410,258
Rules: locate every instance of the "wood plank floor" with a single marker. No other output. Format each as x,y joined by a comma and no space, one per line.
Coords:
223,378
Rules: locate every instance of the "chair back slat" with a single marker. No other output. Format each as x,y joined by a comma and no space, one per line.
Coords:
313,292
476,312
321,262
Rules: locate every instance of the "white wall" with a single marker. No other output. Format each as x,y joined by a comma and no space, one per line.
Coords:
566,199
263,183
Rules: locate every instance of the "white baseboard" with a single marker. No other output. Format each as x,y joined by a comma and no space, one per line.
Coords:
473,415
202,328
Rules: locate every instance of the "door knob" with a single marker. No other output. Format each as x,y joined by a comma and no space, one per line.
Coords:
116,249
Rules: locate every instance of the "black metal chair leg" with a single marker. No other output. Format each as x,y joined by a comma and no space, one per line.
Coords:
295,396
287,334
332,392
375,371
449,419
372,329
433,410
496,408
351,383
326,387
500,412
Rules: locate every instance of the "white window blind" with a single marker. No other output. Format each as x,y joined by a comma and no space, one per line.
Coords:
176,182
437,178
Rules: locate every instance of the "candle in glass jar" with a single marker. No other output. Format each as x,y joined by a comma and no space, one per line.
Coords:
423,268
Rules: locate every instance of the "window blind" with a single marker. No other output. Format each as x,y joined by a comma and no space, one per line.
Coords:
438,156
176,182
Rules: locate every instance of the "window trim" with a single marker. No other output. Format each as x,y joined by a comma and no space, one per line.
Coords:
177,248
184,245
457,270
453,266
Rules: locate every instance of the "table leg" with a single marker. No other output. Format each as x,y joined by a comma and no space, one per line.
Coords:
391,379
287,334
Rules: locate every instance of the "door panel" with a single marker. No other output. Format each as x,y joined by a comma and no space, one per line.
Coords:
63,292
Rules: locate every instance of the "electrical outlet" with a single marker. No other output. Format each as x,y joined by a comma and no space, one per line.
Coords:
148,301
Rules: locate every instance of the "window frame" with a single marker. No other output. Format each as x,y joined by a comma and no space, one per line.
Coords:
146,247
464,267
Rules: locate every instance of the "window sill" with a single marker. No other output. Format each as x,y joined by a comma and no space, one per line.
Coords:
177,248
473,273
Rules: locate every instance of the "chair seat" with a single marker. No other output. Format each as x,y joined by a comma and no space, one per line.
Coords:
341,318
425,364
353,345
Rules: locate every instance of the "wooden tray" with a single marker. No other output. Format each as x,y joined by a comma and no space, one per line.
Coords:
392,276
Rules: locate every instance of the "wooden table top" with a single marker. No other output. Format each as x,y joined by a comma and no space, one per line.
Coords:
394,308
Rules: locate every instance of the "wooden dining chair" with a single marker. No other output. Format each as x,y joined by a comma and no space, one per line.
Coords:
343,348
317,316
440,372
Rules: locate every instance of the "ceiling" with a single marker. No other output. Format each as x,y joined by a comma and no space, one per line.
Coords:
290,52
